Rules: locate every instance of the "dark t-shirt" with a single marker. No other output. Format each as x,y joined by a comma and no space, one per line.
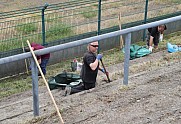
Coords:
87,74
155,34
154,31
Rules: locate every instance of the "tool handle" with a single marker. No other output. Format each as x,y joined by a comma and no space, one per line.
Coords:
105,71
121,37
43,76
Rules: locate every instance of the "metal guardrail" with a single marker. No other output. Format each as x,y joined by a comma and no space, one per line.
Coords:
81,42
88,40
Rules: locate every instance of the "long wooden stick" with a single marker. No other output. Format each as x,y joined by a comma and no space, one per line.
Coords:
45,82
121,37
26,65
105,71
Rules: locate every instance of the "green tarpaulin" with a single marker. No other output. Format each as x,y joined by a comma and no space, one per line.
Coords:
138,51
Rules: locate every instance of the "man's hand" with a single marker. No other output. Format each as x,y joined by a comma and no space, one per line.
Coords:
161,37
99,56
102,70
39,61
105,72
150,48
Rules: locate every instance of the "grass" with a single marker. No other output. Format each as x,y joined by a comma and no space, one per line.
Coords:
28,28
89,12
168,1
28,31
75,23
14,85
23,83
17,42
58,31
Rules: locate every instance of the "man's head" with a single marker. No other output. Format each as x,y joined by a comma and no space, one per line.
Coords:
161,28
92,47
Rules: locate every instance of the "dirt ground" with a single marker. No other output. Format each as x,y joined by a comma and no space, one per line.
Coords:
153,96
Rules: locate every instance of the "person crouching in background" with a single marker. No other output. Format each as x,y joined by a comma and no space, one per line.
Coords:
153,36
43,59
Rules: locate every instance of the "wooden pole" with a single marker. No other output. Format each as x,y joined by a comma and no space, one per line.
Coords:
26,65
36,61
121,38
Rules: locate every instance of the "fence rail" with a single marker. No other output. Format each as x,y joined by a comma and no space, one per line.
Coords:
48,23
127,31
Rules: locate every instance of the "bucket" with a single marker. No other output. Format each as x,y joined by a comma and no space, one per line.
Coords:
74,66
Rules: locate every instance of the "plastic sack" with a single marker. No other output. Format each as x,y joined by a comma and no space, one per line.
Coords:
138,51
173,48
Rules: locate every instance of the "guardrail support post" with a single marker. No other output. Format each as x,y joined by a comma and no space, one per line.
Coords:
99,21
126,58
145,19
34,71
43,22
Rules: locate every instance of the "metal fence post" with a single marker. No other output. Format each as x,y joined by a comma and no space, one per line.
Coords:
43,22
145,18
126,58
34,71
99,21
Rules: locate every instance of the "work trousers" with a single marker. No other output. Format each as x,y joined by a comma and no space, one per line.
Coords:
43,65
81,87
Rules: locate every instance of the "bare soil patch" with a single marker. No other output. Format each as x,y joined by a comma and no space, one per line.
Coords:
152,96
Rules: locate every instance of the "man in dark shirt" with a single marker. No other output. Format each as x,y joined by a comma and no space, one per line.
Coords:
154,36
89,70
43,59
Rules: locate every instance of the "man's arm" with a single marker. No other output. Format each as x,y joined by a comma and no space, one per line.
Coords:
151,40
39,61
94,65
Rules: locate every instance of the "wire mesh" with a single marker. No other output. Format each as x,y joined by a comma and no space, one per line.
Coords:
71,18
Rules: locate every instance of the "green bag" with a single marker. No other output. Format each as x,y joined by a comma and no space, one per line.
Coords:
138,51
63,79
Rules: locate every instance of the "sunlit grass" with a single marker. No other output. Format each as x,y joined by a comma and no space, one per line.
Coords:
14,85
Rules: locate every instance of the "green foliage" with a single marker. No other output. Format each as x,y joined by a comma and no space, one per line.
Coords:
168,1
12,86
175,1
89,12
27,28
20,42
58,31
